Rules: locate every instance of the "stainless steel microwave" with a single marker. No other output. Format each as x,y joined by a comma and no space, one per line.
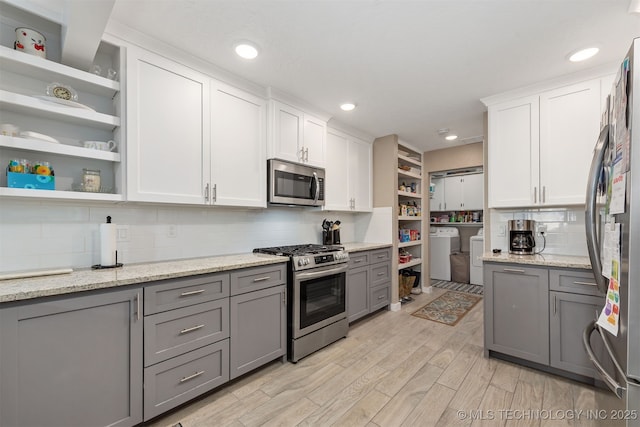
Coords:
294,184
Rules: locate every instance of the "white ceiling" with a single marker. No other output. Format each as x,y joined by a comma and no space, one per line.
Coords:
412,67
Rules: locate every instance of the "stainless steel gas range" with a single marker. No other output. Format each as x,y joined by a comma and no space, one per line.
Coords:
316,302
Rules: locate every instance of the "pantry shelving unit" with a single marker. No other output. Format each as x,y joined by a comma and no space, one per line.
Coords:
399,182
95,117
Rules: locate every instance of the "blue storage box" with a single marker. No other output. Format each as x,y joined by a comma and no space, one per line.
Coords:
30,180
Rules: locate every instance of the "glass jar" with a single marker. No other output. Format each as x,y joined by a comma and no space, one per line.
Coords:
91,180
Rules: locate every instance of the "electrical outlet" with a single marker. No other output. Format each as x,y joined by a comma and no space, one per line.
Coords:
122,233
541,228
172,231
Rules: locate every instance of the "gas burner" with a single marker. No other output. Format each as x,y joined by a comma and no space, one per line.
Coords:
298,250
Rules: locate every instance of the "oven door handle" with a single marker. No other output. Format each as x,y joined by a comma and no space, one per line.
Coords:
312,274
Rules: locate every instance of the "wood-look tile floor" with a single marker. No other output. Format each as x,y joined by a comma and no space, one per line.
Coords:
395,369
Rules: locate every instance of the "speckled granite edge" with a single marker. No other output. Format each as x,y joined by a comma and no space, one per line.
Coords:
86,280
563,261
358,247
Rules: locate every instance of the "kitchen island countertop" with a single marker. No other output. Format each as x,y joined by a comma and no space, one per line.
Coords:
563,261
87,279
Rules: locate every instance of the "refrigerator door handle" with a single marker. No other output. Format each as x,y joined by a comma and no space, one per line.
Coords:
606,377
593,245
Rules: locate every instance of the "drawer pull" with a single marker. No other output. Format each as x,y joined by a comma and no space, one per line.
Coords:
261,279
191,329
188,294
381,274
514,270
355,261
381,297
381,256
192,376
576,282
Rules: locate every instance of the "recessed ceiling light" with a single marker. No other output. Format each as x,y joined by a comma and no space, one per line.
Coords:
246,50
347,106
451,137
583,54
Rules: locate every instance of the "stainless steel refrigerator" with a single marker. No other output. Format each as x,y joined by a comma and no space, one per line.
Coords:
613,197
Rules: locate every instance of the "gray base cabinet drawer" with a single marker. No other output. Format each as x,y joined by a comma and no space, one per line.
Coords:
253,279
175,381
574,281
380,255
174,332
258,329
380,274
358,259
178,293
380,296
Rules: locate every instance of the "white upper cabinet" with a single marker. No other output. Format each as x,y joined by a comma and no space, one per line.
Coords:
458,192
193,139
453,193
348,174
473,192
569,128
297,136
540,146
167,130
238,147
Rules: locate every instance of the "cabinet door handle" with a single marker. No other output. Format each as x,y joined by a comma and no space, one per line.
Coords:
215,193
261,279
189,293
191,329
301,154
206,193
192,376
138,306
514,270
555,305
535,194
306,154
576,282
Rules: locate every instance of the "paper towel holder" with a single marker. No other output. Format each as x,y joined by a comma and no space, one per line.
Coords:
116,264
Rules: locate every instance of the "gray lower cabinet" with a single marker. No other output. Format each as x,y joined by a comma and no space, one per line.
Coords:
72,361
186,339
368,282
516,307
258,329
570,314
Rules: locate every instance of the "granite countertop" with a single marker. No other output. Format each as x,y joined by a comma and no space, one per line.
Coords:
564,261
358,247
87,279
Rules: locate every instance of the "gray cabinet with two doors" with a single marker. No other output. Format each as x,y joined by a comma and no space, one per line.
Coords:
93,359
538,314
368,282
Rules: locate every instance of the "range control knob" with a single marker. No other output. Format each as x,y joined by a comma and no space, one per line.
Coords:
300,262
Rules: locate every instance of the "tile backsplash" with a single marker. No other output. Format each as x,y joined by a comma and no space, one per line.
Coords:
37,234
565,233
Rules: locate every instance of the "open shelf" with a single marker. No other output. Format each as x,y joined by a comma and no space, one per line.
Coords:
412,263
408,174
409,194
410,243
53,148
59,195
409,218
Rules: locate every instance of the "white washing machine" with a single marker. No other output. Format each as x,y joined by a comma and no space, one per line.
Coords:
443,241
476,246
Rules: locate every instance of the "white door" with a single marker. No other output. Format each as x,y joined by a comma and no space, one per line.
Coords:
336,188
473,191
453,194
569,128
360,179
238,147
437,199
287,132
167,116
513,156
314,140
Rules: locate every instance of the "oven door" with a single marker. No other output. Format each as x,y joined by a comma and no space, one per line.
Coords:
319,298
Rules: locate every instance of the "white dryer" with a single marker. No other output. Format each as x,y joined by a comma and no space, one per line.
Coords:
443,241
476,246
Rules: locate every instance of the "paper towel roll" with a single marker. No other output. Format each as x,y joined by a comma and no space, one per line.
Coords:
108,243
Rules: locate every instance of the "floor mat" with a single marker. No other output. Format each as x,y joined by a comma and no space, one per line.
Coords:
448,308
459,287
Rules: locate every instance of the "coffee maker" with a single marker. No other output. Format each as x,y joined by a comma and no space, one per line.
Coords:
521,237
